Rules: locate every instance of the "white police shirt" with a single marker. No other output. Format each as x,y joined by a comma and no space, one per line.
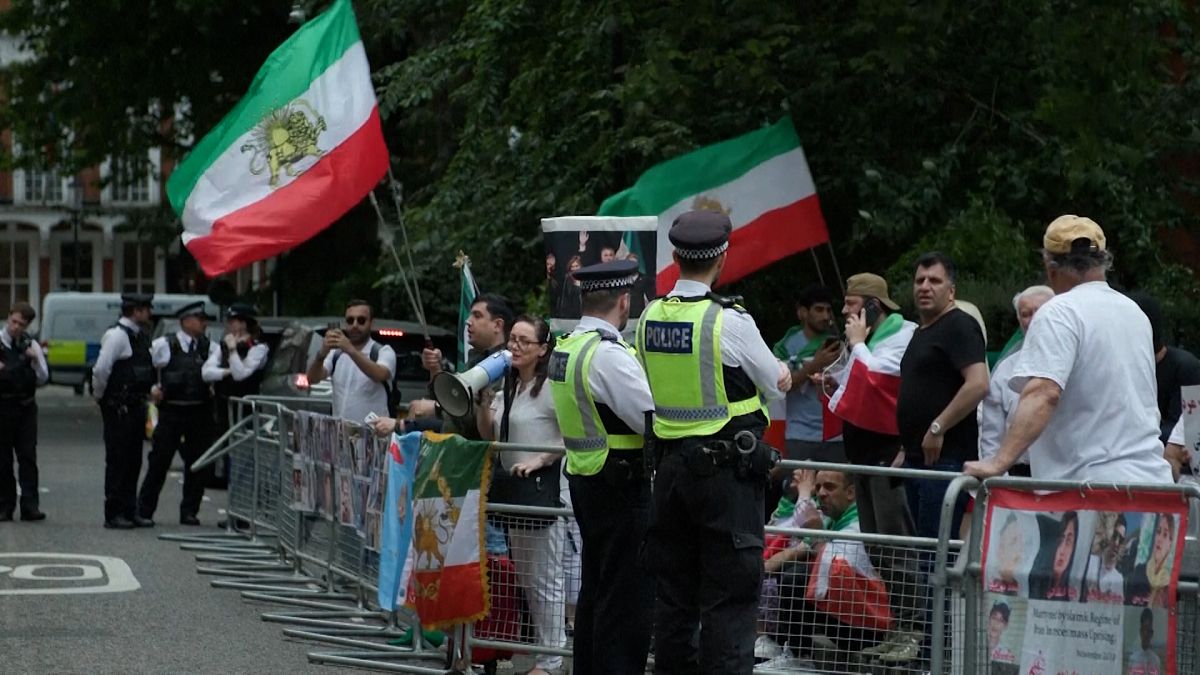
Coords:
114,346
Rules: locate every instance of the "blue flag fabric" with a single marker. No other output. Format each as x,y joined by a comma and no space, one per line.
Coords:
397,527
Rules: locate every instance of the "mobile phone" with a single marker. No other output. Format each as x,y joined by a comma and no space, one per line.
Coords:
333,325
873,310
831,341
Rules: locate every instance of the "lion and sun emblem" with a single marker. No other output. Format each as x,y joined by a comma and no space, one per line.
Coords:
283,139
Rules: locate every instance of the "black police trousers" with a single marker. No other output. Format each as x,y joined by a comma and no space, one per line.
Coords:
18,437
124,432
705,548
189,430
616,596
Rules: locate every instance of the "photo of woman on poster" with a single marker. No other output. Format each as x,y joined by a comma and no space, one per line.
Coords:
1150,582
1008,552
1050,578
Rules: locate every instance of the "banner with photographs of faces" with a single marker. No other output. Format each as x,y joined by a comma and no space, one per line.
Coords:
1082,582
338,473
572,242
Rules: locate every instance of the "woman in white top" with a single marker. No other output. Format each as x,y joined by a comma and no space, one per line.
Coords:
524,414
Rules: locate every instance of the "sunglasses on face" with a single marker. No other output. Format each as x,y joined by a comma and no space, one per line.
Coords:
360,320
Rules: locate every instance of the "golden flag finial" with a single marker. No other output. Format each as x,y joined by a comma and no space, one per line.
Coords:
460,260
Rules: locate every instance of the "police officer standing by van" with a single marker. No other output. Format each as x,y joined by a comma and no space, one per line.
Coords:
709,372
602,402
121,380
185,416
22,370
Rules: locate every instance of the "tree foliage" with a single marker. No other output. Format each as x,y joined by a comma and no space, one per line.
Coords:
959,126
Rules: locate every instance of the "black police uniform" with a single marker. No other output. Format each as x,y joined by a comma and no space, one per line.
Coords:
18,429
123,407
705,540
185,424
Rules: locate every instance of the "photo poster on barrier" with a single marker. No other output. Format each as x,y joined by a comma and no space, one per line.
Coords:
315,443
1082,582
373,490
1191,425
572,242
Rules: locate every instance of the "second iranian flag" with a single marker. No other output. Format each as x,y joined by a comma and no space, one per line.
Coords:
760,180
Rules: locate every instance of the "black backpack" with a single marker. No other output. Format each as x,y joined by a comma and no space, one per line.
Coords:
393,396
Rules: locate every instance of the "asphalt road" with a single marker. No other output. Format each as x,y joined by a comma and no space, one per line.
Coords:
160,617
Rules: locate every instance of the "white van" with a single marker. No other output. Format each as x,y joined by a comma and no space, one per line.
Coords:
71,324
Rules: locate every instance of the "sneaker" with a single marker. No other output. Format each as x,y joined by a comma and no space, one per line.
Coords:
765,648
905,647
786,663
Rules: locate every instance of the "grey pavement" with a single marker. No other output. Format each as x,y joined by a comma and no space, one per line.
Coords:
174,622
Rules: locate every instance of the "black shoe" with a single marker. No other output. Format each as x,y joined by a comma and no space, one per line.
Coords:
32,514
189,520
142,521
119,523
5,517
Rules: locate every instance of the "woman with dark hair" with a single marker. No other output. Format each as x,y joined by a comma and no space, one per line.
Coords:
1051,575
1150,583
569,302
524,414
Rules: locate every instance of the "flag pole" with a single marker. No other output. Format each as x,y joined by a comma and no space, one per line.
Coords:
817,264
388,241
836,269
397,200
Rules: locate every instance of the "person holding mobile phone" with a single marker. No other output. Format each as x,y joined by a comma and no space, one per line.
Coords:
360,368
809,348
863,395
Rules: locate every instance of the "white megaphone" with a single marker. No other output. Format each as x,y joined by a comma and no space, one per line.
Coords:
456,393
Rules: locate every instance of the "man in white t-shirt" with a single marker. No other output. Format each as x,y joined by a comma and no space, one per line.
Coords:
361,369
1085,373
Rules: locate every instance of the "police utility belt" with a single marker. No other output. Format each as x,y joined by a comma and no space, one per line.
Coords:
750,458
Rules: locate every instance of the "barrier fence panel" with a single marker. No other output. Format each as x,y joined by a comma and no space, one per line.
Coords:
1078,578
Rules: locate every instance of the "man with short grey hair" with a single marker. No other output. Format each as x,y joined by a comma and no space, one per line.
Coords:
1085,373
999,407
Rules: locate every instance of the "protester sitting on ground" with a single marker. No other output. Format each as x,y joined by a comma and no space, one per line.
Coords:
1085,373
833,604
523,413
999,407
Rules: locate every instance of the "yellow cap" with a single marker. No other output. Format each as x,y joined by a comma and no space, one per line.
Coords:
1066,230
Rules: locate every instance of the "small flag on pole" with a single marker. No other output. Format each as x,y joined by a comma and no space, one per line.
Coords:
301,148
466,298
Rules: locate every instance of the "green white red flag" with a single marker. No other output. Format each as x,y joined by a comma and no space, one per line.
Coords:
760,180
301,148
448,584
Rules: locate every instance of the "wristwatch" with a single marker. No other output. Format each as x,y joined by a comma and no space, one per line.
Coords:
935,429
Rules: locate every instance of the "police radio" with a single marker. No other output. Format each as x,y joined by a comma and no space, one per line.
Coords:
456,393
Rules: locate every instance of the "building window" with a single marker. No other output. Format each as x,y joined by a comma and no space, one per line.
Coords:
15,261
137,267
75,266
131,181
43,186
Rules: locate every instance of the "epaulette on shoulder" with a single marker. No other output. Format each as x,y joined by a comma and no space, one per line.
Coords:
733,302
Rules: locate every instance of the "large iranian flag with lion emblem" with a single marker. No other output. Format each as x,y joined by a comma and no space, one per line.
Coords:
448,583
301,148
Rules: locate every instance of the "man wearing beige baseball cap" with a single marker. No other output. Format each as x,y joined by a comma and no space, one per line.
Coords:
1085,374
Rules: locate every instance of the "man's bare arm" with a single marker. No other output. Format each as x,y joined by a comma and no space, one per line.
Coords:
1038,401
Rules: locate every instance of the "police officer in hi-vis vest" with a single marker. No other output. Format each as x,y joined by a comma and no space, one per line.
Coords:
710,373
185,414
121,380
602,402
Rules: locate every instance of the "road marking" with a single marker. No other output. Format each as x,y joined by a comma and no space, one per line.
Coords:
70,574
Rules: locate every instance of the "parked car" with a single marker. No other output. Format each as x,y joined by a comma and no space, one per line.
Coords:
71,324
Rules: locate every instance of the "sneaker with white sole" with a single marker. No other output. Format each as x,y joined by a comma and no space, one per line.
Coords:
766,648
786,663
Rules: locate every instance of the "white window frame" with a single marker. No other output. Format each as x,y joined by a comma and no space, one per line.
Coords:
160,265
108,194
20,178
11,233
60,237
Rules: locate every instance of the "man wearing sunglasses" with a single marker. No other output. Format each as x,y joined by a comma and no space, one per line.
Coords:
359,367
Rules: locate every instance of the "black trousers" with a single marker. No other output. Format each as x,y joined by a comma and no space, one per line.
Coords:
615,609
705,548
18,437
189,430
124,432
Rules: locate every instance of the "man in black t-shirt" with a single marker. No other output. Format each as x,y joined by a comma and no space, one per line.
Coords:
943,377
1174,368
